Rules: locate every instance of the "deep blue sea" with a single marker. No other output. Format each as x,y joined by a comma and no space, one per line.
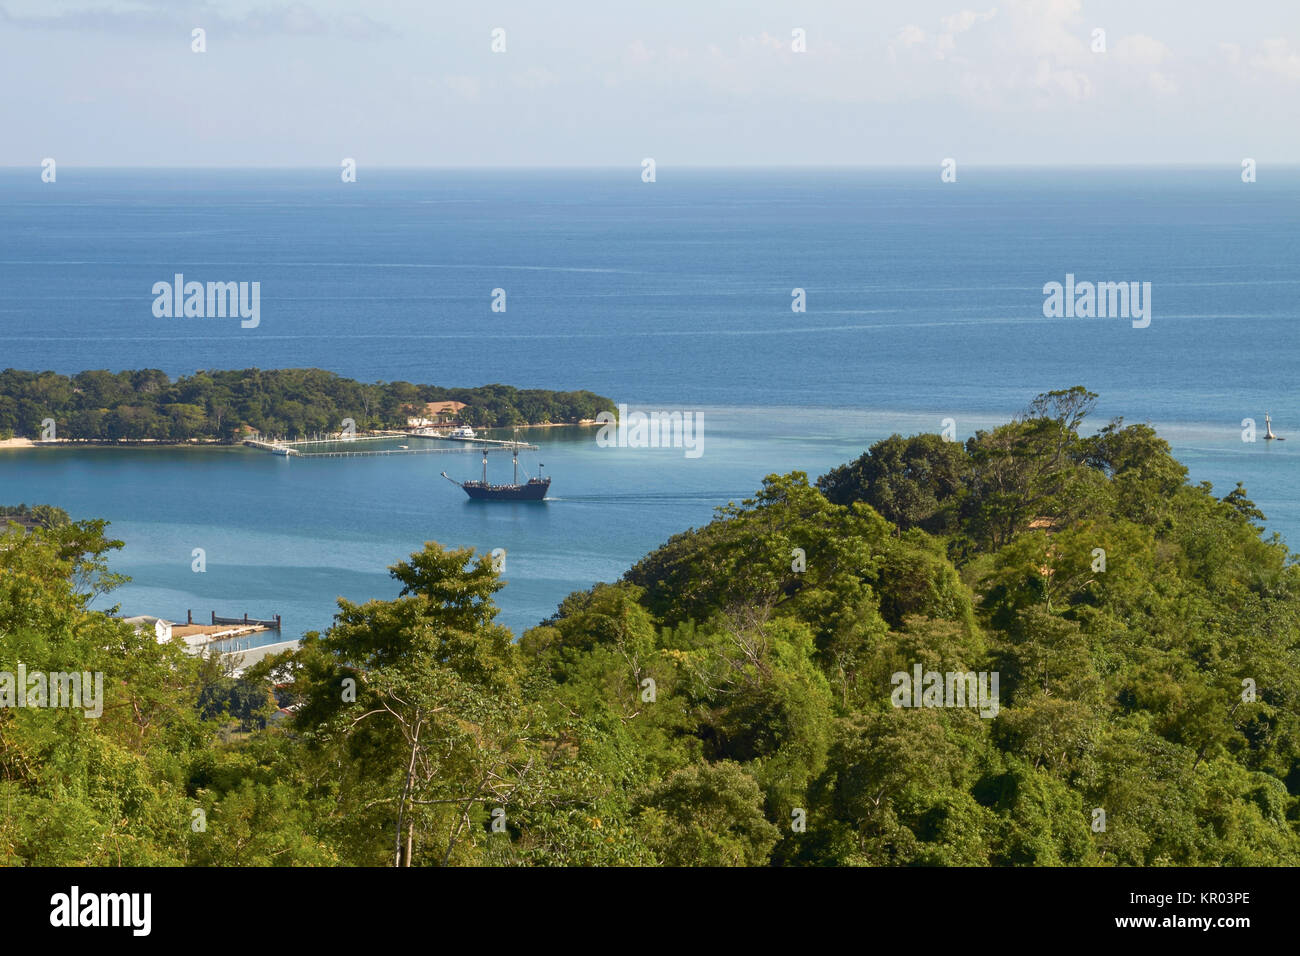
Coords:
924,302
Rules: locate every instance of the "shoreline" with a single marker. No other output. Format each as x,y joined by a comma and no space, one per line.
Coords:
22,443
9,444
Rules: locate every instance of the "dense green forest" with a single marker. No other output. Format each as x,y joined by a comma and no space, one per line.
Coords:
287,403
43,516
730,701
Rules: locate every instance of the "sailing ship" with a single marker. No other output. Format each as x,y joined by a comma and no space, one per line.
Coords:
534,489
1268,426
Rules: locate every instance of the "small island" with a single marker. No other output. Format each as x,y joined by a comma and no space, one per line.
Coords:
224,407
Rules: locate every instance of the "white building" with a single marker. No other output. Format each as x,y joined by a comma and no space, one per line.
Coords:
162,629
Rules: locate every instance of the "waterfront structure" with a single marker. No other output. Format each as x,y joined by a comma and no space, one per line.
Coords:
434,413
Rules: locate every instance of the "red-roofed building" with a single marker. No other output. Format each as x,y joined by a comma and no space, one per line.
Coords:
434,413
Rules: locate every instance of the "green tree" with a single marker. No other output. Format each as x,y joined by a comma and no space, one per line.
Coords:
913,482
707,815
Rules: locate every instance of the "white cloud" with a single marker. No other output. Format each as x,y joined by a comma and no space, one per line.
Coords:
1277,59
1047,28
1140,48
1162,84
911,35
298,19
534,78
961,22
765,41
1073,84
637,53
1024,53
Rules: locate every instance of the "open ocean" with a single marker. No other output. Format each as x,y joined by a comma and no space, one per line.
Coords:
924,302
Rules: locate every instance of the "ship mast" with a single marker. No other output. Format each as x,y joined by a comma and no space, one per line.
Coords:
484,467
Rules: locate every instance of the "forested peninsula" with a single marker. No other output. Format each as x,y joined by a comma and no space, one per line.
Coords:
225,406
734,699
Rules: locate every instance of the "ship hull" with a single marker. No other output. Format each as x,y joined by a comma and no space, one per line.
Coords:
533,491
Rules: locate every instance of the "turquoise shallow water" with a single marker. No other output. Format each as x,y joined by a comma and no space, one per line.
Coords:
288,536
924,302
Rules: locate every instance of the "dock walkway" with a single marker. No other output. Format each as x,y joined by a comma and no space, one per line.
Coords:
485,442
372,453
289,449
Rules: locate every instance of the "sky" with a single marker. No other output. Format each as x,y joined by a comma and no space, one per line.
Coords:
610,82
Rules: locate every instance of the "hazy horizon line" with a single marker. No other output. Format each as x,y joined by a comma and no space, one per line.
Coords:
635,166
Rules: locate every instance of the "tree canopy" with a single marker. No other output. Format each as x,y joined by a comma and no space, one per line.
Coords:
733,699
288,403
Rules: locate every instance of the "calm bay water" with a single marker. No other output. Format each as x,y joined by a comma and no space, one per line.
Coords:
924,302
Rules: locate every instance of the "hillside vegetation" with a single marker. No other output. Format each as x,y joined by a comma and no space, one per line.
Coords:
730,701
